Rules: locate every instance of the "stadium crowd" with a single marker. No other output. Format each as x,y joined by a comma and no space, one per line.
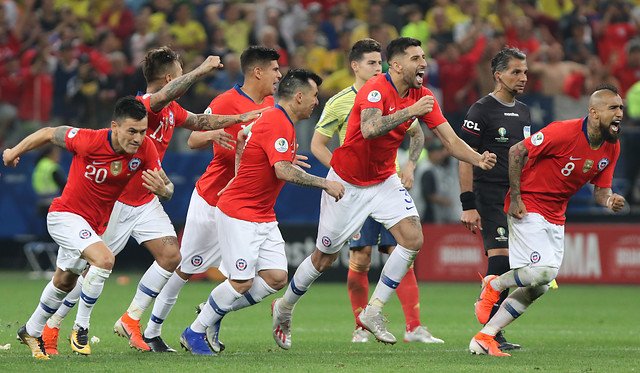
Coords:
67,61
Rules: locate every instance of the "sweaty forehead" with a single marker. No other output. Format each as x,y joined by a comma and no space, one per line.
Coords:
605,98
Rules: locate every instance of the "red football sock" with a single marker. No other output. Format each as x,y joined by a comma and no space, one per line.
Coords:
410,299
358,288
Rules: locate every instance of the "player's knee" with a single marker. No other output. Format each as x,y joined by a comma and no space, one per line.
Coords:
414,242
277,280
544,275
360,261
105,260
322,261
241,286
535,292
169,260
64,283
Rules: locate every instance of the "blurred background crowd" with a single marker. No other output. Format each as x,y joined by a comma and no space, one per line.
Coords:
67,61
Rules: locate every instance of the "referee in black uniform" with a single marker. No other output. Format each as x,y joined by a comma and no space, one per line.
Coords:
494,123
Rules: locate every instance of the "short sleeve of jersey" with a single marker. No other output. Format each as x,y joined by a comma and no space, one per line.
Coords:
605,178
329,121
472,127
79,140
434,118
370,97
180,114
546,141
152,159
276,143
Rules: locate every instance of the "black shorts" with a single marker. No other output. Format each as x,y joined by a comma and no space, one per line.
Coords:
490,204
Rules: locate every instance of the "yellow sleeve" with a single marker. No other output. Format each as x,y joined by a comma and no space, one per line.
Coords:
329,122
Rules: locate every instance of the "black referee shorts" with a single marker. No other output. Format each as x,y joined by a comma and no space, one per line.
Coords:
490,205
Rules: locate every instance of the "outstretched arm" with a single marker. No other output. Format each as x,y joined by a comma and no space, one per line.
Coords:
199,139
54,135
288,172
461,150
205,122
517,159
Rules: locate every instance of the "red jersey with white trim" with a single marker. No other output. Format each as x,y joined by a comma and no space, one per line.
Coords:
159,132
366,162
222,167
560,163
252,194
98,175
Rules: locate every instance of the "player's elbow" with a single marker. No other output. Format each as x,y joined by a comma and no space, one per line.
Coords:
367,133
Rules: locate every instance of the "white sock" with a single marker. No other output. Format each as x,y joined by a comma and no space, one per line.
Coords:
91,289
305,275
258,291
516,303
67,304
148,288
163,305
50,300
392,273
219,303
524,276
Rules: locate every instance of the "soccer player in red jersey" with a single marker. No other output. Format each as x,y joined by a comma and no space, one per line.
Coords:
137,213
545,170
250,241
199,249
383,111
104,161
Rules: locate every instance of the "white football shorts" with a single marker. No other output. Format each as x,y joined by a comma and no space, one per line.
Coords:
533,241
143,223
73,234
387,202
199,248
248,247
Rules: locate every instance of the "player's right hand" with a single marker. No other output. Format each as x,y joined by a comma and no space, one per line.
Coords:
9,159
471,220
251,115
335,189
222,138
487,161
212,62
517,209
421,107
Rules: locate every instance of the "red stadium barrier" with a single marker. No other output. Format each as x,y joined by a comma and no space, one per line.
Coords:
594,253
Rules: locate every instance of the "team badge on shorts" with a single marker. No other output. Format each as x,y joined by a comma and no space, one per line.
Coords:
116,168
326,241
196,261
134,164
537,139
281,145
535,257
85,233
241,264
356,236
604,162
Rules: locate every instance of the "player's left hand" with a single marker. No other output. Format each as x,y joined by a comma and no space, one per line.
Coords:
9,159
152,180
251,115
615,202
487,161
406,175
517,209
300,161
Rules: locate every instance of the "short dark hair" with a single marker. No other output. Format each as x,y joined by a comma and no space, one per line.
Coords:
500,61
399,46
363,46
128,107
257,55
607,87
296,79
158,61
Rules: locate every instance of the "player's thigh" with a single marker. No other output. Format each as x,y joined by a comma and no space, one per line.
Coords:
368,235
533,241
240,243
154,223
272,255
122,221
340,220
200,248
395,209
73,235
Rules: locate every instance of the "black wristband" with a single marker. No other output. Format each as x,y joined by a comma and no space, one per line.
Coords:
468,200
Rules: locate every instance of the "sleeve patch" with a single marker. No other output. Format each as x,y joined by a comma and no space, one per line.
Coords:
72,133
374,96
281,145
537,139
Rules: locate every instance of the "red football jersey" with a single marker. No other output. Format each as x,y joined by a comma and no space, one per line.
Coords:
366,162
98,175
159,132
252,194
560,163
222,167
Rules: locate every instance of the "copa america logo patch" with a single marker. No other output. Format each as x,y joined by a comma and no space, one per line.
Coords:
326,241
535,257
604,162
281,145
196,261
85,233
374,96
134,164
537,139
241,264
72,133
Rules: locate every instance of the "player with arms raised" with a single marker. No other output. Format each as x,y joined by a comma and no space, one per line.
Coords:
545,170
104,161
384,109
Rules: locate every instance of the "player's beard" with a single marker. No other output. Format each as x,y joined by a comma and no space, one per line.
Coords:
609,135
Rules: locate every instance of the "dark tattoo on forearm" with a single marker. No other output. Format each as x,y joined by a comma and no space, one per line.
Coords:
298,176
374,124
416,143
207,122
58,136
517,158
175,89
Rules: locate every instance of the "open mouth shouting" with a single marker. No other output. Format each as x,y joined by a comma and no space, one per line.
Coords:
420,77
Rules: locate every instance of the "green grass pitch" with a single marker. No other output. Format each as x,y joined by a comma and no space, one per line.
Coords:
574,329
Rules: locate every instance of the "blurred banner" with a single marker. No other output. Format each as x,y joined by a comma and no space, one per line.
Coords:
594,253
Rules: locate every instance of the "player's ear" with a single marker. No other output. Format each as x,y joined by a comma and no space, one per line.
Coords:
257,72
299,96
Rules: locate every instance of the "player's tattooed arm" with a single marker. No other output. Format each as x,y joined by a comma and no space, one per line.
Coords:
373,124
288,172
605,197
416,144
55,135
158,183
206,122
58,136
517,159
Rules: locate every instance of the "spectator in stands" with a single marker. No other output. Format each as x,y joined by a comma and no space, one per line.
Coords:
142,38
628,72
375,16
64,112
226,78
119,19
189,34
236,28
10,91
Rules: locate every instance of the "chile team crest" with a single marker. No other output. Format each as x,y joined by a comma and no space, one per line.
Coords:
134,164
